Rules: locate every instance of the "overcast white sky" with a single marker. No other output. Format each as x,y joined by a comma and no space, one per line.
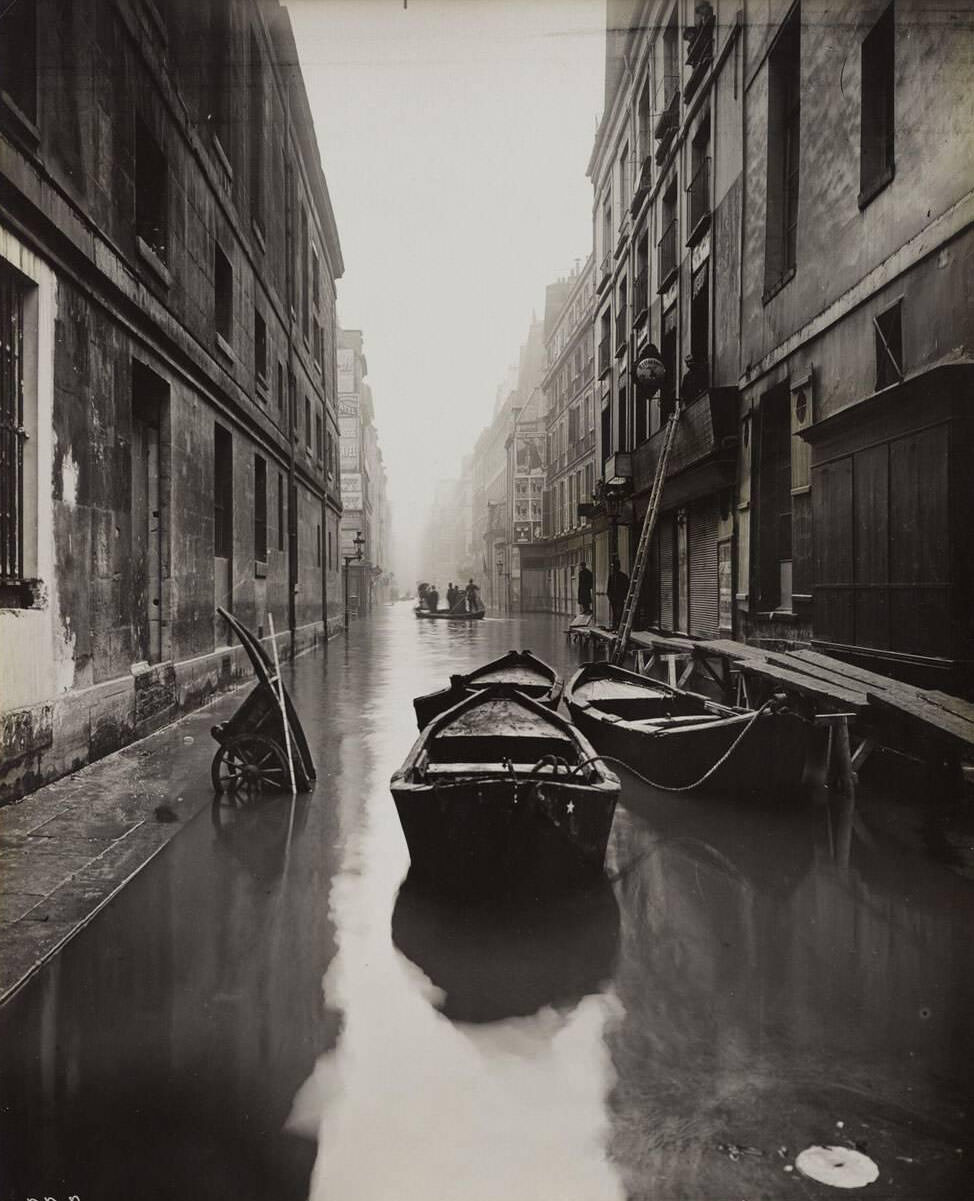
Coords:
454,136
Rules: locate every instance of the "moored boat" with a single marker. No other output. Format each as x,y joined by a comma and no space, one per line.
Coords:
450,614
500,794
674,738
520,669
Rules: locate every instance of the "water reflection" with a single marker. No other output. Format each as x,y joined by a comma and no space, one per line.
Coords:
266,996
489,964
774,972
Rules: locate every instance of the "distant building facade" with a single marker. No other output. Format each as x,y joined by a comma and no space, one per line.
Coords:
365,499
168,431
571,455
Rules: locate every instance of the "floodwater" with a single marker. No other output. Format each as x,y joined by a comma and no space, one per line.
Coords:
268,1012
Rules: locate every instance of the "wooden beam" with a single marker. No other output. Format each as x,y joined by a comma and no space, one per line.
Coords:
935,720
805,685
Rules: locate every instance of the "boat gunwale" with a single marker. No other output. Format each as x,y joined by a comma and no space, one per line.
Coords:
511,693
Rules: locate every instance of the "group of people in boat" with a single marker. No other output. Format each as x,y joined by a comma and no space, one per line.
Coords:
458,598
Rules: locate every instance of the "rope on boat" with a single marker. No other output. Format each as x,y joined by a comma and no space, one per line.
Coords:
707,774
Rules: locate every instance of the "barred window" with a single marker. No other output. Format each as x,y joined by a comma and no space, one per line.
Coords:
13,438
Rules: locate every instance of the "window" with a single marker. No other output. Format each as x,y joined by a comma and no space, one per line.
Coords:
280,511
260,509
667,264
280,388
222,492
18,56
318,545
292,404
151,192
331,552
318,438
223,289
877,111
220,105
889,346
623,420
784,127
260,348
255,89
606,431
645,145
624,179
699,333
698,190
622,313
14,447
667,393
607,232
774,500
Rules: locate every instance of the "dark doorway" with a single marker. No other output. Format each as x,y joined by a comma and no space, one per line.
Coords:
150,407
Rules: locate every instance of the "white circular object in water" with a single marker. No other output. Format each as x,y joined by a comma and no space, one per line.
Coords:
841,1167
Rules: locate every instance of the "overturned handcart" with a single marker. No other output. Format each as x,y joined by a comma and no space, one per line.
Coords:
258,741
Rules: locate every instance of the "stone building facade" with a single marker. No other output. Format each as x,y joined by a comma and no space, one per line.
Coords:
570,451
782,216
168,257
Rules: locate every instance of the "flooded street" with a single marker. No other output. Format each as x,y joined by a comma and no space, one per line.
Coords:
268,1012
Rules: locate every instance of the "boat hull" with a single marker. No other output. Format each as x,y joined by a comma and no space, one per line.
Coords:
502,795
674,738
770,757
519,669
476,834
448,615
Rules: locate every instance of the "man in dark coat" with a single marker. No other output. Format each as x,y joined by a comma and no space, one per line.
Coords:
433,599
616,589
584,589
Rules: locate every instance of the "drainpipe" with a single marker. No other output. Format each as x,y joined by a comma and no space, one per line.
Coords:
292,492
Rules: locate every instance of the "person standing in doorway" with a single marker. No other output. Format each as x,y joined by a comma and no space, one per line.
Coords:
616,590
584,589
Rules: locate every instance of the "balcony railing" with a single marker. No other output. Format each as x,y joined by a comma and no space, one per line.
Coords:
640,295
698,196
605,357
667,255
621,334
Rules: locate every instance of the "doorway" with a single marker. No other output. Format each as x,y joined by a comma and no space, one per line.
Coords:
150,407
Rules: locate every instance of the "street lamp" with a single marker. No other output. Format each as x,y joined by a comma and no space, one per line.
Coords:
358,542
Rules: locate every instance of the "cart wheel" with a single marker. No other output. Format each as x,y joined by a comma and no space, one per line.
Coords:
249,763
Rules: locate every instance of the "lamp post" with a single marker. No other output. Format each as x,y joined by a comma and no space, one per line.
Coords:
358,542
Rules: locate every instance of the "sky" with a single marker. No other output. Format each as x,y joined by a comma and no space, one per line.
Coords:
454,136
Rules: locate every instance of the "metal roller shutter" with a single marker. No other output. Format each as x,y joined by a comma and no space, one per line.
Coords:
702,537
665,533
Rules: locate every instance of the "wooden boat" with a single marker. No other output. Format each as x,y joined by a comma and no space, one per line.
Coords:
519,668
674,738
500,794
449,614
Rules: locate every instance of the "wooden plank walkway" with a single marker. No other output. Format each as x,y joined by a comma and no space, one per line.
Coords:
829,685
934,719
818,690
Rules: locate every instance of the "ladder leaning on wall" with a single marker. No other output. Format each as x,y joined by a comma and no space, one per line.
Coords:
621,644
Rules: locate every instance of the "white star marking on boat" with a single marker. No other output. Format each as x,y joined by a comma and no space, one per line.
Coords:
571,807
